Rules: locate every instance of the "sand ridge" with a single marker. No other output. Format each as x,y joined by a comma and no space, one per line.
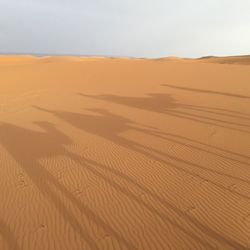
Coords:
122,153
242,60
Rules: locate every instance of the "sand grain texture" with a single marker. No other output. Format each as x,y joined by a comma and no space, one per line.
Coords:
105,153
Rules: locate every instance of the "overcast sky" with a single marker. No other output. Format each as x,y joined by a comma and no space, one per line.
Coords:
142,28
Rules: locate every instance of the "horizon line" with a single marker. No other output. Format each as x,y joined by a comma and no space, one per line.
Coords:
114,56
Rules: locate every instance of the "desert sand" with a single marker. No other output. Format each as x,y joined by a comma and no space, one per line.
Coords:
121,153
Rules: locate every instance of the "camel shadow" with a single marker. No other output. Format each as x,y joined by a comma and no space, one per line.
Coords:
27,147
51,143
166,104
161,103
110,126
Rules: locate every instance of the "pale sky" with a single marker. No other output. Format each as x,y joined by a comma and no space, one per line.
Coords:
139,28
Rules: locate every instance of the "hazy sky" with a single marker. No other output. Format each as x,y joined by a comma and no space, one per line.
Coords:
150,28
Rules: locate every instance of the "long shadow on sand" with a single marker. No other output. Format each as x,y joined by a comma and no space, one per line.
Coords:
27,147
206,91
8,236
166,104
51,143
161,103
113,125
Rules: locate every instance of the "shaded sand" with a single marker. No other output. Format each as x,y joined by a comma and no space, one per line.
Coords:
102,153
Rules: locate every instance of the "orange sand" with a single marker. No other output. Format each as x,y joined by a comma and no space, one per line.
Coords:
102,153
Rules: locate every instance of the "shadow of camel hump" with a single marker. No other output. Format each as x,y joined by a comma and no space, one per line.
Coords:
102,123
155,102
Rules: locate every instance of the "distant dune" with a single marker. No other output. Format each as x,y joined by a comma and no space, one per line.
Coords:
244,60
121,153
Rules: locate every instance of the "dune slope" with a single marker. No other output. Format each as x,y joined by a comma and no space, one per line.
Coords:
102,153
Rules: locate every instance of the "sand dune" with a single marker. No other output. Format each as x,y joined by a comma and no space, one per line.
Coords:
243,60
104,153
